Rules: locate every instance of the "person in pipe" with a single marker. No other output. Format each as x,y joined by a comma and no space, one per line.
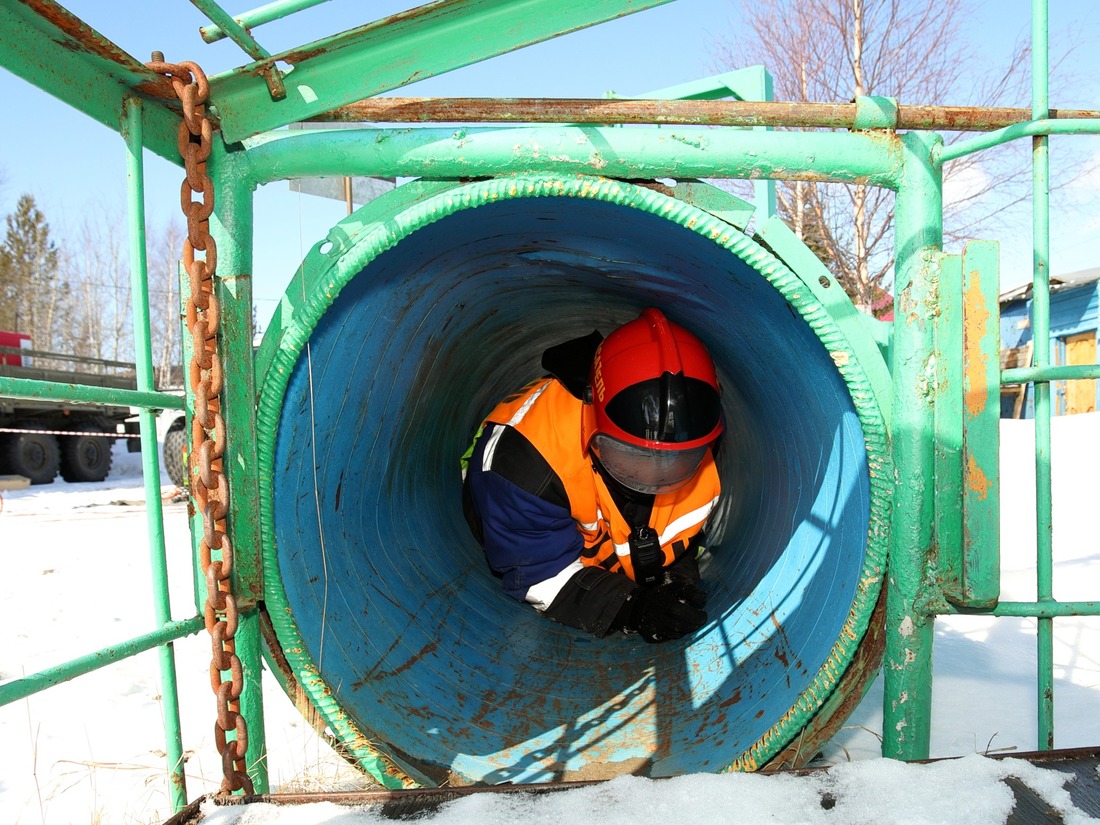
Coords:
590,488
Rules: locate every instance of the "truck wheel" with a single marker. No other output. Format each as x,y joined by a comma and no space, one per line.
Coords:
86,457
33,455
175,453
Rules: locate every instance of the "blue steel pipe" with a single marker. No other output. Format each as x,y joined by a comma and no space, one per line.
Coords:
400,332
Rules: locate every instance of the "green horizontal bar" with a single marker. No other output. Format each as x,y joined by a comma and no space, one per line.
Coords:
1073,372
688,152
29,389
1067,126
232,29
1042,610
259,16
37,682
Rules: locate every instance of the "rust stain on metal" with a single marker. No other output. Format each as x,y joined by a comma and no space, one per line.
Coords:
375,674
976,479
839,705
176,777
86,38
784,643
687,112
430,647
733,700
78,37
975,362
437,11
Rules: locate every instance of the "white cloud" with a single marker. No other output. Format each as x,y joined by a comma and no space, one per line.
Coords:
964,181
1083,180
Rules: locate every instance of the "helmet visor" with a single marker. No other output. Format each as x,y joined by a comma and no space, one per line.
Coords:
644,470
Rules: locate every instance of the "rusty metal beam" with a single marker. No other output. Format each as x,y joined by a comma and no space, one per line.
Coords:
395,51
50,47
696,112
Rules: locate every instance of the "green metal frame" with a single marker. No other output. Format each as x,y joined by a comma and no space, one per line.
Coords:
943,556
149,402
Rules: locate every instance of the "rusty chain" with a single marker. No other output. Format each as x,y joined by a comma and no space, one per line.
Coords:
209,485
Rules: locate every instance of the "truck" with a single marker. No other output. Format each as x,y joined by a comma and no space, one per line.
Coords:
40,439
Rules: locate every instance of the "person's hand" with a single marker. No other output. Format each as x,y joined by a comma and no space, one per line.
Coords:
660,614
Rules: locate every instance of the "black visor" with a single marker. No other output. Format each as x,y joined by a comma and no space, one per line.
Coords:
672,409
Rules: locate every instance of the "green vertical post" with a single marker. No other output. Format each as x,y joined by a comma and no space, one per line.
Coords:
231,228
948,522
131,130
979,584
764,188
907,702
1040,325
967,414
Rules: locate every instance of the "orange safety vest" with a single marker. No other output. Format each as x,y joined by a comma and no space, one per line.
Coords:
550,417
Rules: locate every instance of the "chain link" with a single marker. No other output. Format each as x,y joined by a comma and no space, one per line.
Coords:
209,484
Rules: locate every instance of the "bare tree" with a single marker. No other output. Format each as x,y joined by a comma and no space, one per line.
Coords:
164,303
86,327
98,267
834,50
99,271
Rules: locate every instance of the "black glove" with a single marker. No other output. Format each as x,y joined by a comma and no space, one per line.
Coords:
685,589
659,614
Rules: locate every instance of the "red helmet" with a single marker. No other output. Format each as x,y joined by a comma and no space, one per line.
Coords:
655,404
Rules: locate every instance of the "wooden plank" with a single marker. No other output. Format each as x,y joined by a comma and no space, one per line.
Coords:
1081,395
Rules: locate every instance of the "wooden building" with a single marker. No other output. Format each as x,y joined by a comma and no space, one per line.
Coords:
1074,308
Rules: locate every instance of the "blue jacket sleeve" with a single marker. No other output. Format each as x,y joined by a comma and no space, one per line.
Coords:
518,509
527,539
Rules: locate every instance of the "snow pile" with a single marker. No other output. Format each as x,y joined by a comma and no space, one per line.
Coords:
969,790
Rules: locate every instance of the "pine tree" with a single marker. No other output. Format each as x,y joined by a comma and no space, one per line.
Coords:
32,293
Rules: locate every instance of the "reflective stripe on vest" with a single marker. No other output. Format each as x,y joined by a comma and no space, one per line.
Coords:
548,416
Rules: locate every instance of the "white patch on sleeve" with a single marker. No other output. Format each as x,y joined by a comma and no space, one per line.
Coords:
542,594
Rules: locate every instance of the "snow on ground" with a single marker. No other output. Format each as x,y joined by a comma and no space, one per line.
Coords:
76,579
869,792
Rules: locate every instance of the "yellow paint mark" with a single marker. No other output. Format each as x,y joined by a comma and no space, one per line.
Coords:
975,362
840,358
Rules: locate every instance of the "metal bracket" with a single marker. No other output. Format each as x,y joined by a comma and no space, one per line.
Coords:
875,113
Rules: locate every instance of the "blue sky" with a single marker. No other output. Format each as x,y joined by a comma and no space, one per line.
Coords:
71,164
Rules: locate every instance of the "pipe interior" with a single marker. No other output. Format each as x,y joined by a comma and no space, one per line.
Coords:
388,589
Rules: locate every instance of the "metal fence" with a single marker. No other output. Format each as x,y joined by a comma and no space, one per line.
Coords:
946,429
